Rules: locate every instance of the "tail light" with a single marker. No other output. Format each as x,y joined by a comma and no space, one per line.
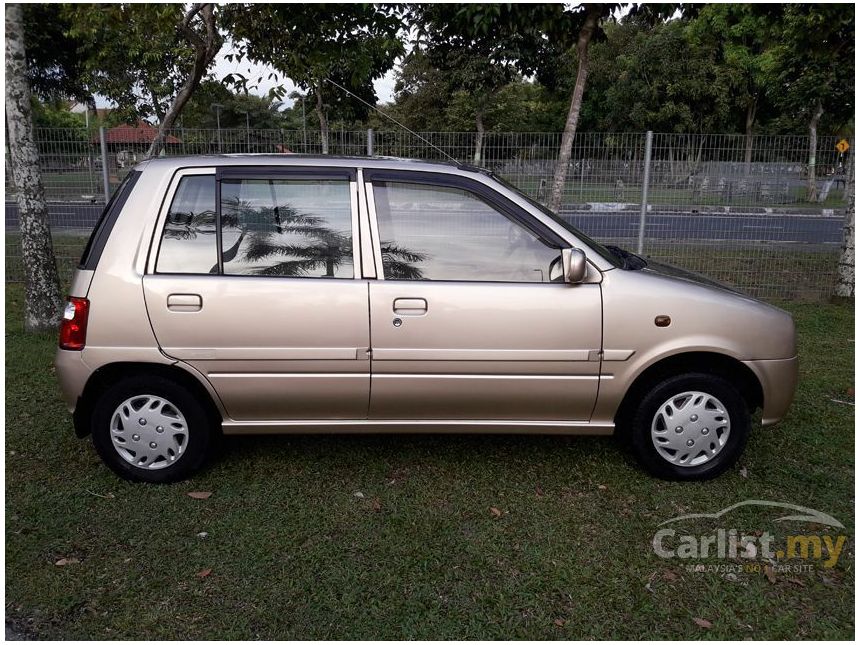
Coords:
73,329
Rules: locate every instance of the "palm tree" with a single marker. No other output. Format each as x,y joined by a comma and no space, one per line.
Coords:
399,262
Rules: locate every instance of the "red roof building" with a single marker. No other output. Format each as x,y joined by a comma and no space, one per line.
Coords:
140,134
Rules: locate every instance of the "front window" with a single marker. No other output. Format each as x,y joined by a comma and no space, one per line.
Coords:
442,233
613,258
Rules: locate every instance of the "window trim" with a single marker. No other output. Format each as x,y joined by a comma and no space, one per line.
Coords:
255,173
480,191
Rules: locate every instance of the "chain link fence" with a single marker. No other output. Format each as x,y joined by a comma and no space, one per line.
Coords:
746,211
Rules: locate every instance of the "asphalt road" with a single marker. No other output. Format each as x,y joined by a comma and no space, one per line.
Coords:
709,227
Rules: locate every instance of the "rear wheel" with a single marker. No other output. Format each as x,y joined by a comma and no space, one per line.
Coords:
149,428
688,427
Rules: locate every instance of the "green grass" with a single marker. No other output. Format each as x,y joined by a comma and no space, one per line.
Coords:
294,553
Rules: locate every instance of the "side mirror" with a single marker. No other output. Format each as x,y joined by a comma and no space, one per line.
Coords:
574,264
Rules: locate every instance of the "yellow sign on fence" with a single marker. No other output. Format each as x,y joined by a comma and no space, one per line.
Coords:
842,146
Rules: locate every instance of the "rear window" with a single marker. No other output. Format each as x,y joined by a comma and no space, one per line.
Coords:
104,225
188,239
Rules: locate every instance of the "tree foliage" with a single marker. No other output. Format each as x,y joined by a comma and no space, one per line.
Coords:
133,54
812,62
718,68
55,68
237,110
654,78
350,44
477,49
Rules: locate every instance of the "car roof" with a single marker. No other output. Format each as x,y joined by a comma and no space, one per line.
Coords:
293,159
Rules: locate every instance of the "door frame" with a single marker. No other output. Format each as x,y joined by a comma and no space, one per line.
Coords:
494,199
259,172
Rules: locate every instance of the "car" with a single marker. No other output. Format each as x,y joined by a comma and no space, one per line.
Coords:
254,294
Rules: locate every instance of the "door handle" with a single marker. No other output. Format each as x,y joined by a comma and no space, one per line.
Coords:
184,302
410,306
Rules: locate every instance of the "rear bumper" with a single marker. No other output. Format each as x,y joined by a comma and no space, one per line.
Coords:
73,374
778,380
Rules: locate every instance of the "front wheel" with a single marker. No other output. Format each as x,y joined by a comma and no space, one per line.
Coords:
148,428
689,427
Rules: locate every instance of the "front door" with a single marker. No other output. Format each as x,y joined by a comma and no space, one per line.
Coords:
469,316
255,283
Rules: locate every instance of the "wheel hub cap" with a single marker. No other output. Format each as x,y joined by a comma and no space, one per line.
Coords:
149,432
690,429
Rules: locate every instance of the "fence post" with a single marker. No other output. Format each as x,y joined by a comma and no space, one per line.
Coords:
370,142
646,178
105,170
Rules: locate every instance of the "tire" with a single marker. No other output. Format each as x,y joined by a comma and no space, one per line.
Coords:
181,424
718,435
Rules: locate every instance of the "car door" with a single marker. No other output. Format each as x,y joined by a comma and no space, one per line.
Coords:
253,281
469,316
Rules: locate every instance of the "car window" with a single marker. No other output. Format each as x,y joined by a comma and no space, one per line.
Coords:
442,233
287,227
102,229
188,242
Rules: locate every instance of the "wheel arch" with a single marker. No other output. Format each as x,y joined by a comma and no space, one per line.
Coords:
706,362
111,373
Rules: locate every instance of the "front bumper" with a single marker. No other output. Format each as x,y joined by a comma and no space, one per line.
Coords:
778,380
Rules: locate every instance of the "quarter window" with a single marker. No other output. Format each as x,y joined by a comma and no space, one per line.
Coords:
442,233
188,239
286,227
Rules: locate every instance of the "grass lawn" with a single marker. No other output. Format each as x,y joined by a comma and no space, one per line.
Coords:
292,550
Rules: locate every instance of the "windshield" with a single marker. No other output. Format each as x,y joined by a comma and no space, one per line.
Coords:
604,252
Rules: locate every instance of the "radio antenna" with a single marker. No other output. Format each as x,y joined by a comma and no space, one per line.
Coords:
390,118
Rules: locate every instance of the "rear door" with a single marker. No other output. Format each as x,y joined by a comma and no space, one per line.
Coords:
253,280
469,316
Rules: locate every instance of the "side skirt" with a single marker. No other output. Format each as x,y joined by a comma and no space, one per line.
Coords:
338,426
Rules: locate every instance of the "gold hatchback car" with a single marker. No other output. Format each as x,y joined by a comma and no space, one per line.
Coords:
290,294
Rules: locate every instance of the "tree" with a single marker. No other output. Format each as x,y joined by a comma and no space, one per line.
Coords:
651,77
585,20
846,273
591,16
350,44
813,63
421,93
739,37
147,58
481,48
237,110
55,68
43,301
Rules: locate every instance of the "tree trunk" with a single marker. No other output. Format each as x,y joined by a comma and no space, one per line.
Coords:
479,137
751,109
811,182
323,120
845,272
206,46
586,33
43,301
